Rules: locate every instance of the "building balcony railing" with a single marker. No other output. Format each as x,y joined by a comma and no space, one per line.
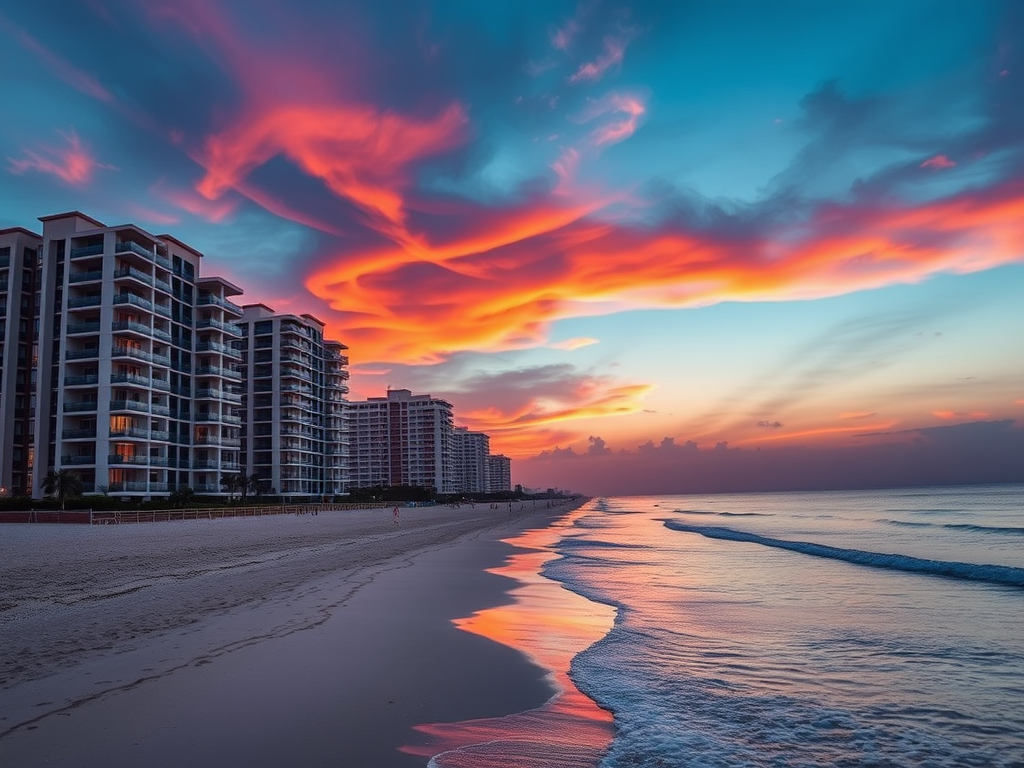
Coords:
130,325
130,432
162,310
88,379
228,328
78,328
127,246
137,460
77,459
128,487
211,300
85,277
131,379
133,273
160,434
161,410
78,434
80,406
88,250
135,301
160,285
82,354
78,302
129,405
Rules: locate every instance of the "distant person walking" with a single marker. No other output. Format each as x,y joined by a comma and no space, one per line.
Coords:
394,516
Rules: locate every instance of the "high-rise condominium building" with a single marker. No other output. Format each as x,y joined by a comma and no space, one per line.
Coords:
136,387
294,407
18,264
499,473
402,439
469,454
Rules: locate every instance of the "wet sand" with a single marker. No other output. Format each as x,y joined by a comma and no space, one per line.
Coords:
315,640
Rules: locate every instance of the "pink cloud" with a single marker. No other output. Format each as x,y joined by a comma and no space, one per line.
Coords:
72,164
572,344
619,128
938,162
614,50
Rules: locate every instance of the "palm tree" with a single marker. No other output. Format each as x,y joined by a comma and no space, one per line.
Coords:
233,482
255,483
62,483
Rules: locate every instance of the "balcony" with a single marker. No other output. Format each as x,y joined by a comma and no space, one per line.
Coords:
82,354
129,405
134,274
130,379
77,459
88,379
228,328
127,487
160,434
127,246
161,410
85,277
79,302
82,406
210,300
130,432
131,326
137,460
79,434
134,300
88,250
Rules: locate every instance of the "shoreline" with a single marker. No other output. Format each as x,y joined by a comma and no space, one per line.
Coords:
353,648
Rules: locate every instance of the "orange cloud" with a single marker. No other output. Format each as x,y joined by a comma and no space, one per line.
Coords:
362,155
540,422
948,415
72,164
506,276
817,432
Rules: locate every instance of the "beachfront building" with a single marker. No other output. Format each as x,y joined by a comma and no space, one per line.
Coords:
402,439
469,456
19,249
295,436
136,384
499,473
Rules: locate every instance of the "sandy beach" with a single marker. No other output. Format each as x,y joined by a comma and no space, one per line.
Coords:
314,640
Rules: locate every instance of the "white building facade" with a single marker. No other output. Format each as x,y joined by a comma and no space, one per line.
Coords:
469,452
136,387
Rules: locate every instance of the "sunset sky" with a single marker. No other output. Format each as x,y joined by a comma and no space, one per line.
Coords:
646,246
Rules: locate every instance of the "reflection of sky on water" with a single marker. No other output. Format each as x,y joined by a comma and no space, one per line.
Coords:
550,625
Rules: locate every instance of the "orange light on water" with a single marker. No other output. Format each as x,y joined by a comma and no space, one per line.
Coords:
550,625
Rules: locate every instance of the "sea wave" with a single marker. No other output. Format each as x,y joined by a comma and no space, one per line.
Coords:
1003,529
993,574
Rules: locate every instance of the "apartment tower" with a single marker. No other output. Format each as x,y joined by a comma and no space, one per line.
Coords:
136,387
19,258
402,439
294,408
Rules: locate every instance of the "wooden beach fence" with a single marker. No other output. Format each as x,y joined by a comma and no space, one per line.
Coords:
117,517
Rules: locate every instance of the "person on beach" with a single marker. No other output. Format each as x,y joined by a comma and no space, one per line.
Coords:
394,516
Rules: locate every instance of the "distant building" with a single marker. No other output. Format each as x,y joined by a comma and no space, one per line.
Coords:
469,453
293,407
402,439
19,257
499,473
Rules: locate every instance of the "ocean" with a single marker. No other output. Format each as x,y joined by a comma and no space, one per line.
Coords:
854,628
